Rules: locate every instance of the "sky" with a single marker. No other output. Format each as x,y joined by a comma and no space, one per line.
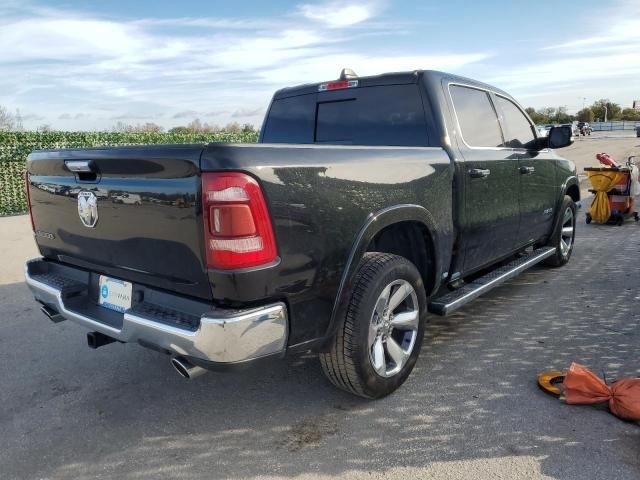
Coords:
77,65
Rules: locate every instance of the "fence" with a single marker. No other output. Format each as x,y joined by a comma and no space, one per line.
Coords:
16,146
615,125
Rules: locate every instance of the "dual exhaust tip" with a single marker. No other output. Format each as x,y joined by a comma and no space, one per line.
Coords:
95,340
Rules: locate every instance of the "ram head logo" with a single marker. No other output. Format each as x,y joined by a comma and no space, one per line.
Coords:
88,209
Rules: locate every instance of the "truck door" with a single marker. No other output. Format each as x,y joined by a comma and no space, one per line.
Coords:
538,190
490,179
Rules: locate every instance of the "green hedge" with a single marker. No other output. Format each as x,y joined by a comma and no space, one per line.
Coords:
16,146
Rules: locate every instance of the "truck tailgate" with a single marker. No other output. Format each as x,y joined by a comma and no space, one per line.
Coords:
135,215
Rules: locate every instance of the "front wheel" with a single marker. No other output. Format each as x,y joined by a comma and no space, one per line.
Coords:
379,340
564,233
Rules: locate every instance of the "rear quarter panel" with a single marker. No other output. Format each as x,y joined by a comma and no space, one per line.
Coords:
320,199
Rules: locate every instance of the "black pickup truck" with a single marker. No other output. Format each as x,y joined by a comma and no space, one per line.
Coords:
367,203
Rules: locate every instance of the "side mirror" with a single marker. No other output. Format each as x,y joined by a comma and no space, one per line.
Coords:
560,137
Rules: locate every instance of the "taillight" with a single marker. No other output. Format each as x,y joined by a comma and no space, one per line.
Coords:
28,195
237,226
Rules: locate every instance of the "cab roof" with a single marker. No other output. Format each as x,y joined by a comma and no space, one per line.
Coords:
394,78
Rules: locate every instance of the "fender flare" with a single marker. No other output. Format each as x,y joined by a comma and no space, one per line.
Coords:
571,180
375,223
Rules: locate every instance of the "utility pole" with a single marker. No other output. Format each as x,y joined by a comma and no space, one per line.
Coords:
19,126
584,99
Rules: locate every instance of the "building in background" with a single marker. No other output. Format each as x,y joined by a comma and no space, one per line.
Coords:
636,104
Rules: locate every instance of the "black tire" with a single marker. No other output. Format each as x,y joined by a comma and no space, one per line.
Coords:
562,256
348,363
588,220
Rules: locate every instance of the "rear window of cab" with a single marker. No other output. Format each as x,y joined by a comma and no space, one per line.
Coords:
390,115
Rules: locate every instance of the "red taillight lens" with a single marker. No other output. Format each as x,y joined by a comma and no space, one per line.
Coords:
28,195
237,225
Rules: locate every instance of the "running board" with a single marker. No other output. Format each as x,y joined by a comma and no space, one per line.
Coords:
463,295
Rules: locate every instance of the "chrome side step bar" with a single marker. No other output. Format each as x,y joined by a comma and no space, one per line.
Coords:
460,297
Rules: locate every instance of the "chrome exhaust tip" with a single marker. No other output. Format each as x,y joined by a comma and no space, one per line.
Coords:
187,369
52,314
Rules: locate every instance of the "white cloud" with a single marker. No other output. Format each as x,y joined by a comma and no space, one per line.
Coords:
340,14
572,70
605,64
54,61
328,67
615,27
247,113
185,114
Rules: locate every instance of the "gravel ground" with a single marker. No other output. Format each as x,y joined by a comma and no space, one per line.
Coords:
470,410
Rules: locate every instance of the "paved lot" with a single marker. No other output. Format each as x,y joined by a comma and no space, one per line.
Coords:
619,144
470,410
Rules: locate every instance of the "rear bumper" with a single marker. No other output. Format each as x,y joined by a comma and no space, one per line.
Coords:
160,320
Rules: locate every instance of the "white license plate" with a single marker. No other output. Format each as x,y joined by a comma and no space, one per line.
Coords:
114,294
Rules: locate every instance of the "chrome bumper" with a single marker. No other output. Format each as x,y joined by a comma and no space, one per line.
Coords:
223,336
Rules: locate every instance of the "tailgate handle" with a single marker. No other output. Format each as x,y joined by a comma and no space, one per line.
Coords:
479,173
80,166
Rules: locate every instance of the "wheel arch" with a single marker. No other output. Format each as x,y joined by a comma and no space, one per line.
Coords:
571,187
416,224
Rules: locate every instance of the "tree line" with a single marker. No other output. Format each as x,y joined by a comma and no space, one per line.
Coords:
597,112
9,122
195,126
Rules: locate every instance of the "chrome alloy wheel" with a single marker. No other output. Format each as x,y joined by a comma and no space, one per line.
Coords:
394,328
568,231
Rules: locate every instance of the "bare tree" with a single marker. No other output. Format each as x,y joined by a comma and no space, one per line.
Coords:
7,121
196,126
148,127
233,127
121,127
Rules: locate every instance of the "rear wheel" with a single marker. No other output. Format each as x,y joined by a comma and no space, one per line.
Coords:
379,340
564,233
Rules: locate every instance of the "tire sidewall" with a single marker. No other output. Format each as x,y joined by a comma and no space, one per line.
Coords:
561,259
375,385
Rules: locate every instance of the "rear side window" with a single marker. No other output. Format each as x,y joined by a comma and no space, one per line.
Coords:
385,115
519,132
291,120
477,117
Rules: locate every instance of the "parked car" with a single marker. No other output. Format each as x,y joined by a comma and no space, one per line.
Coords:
584,128
127,198
367,203
542,130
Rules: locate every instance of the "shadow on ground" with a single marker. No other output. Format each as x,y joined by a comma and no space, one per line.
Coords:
121,411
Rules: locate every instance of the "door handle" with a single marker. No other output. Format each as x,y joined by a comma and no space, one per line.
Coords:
479,172
527,170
